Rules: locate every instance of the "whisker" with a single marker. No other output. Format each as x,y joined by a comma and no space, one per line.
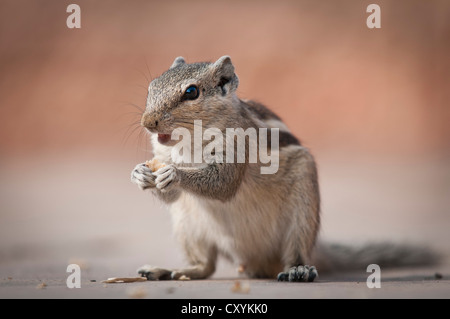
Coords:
131,125
127,136
139,142
137,107
143,87
143,74
147,142
148,69
143,134
131,133
135,113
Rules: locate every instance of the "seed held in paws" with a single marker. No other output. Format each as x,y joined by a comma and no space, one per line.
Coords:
154,164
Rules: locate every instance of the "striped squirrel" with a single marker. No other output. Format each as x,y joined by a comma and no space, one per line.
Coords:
268,223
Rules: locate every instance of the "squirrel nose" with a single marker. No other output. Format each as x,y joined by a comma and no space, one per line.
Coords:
149,121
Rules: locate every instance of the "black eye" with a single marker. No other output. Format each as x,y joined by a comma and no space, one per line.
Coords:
191,93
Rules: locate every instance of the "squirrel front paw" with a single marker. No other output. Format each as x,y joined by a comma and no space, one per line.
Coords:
166,178
143,177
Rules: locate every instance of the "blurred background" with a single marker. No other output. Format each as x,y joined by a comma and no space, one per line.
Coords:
371,104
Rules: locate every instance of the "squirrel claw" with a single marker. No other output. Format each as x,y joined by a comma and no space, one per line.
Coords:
142,177
299,273
166,178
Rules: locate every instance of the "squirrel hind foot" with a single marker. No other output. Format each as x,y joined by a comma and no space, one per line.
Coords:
299,274
154,273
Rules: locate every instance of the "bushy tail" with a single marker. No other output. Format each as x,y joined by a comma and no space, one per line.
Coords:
337,257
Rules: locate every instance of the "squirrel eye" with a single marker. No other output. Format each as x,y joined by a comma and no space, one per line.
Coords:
191,93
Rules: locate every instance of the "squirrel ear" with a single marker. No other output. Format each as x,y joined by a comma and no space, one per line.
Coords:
178,61
223,68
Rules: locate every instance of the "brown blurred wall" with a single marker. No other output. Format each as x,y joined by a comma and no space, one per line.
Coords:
339,85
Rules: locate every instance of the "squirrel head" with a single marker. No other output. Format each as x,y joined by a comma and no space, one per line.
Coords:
187,92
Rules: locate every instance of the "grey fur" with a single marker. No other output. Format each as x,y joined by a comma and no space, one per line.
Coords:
332,257
177,62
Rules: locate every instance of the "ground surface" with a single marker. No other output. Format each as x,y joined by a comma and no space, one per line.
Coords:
78,214
212,289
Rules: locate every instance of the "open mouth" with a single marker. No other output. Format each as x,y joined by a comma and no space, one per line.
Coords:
164,138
